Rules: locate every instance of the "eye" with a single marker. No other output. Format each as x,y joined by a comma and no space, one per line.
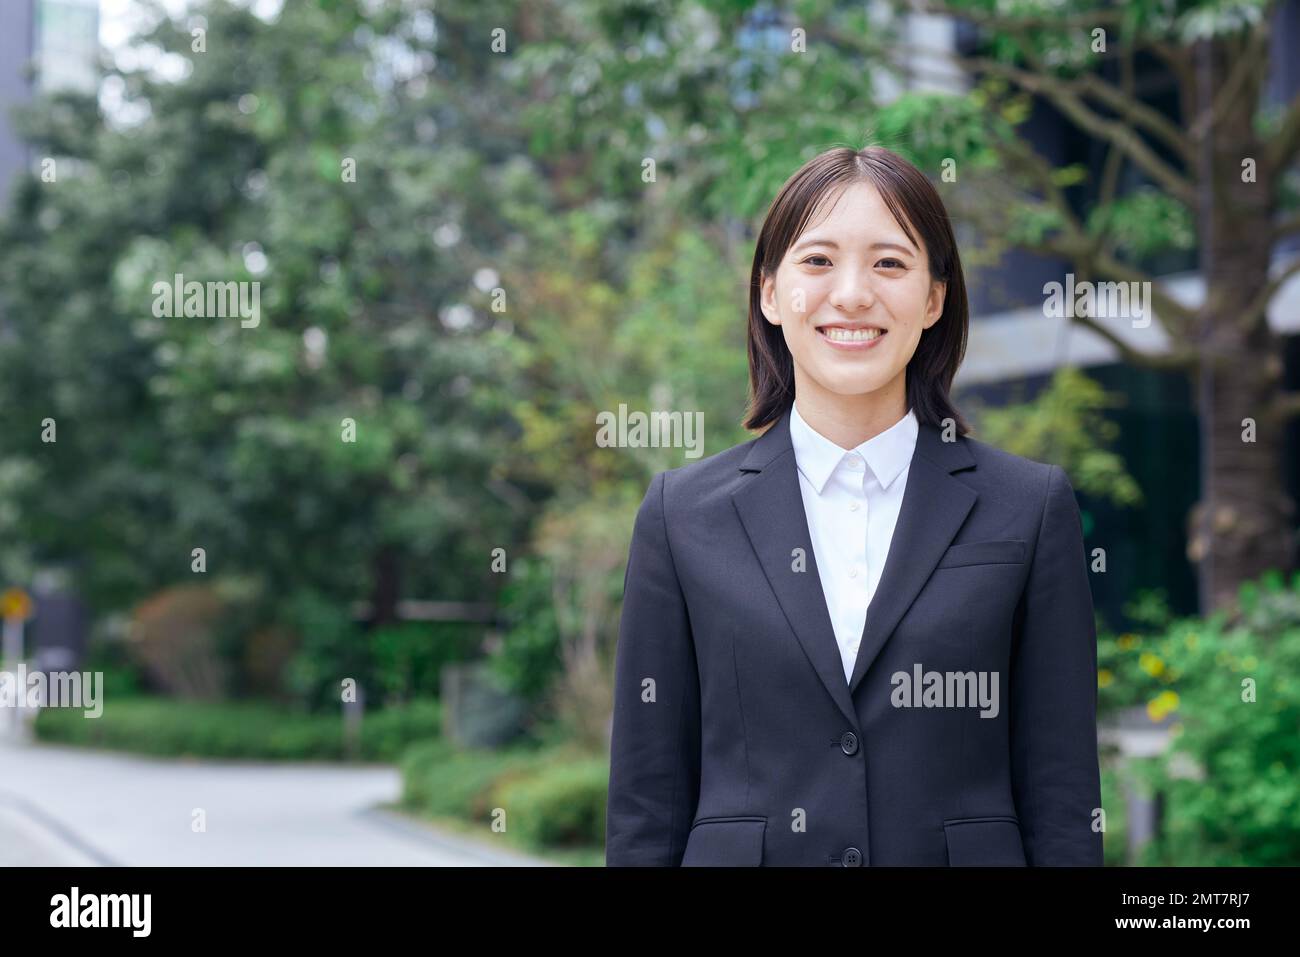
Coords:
810,259
897,264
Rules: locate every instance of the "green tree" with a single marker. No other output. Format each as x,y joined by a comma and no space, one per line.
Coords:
305,155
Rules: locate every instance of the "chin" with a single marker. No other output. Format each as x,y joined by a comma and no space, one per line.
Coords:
851,387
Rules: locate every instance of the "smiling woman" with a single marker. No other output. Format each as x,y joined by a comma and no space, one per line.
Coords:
856,259
779,593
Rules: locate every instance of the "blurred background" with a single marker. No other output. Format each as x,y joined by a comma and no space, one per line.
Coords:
350,565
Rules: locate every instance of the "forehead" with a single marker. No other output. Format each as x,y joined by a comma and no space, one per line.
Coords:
854,212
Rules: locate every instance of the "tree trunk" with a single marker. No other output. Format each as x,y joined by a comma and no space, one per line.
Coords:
386,587
1241,527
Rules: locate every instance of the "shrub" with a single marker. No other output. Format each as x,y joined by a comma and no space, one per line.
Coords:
439,779
553,798
561,805
1232,685
246,730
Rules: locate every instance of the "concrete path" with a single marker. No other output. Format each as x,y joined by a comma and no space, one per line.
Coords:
61,805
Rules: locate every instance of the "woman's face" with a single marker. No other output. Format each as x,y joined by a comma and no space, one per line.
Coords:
853,272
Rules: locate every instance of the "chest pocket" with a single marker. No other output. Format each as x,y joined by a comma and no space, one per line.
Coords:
1006,552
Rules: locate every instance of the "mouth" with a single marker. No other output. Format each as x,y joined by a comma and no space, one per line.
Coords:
851,337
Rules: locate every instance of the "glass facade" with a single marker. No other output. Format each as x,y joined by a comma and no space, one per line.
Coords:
67,44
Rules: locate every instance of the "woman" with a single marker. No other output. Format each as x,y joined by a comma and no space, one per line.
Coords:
862,638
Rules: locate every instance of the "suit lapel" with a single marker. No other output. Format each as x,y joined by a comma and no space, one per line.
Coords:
934,507
770,507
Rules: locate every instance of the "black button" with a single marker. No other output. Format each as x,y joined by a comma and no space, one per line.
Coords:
852,857
849,742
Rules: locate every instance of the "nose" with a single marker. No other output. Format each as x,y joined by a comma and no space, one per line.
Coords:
852,292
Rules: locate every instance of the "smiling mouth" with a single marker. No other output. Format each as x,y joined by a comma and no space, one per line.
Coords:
840,334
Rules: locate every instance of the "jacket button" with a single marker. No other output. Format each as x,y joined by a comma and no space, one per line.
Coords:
852,857
849,742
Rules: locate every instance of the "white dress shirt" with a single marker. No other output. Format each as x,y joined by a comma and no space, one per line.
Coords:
851,499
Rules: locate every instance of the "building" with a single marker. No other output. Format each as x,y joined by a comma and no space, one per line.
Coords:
44,45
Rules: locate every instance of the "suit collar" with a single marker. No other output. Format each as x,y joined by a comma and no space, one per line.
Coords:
770,507
886,454
949,456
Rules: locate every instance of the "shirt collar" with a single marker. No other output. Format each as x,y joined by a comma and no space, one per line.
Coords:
887,454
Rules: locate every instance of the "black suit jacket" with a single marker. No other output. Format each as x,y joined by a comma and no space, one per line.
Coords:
736,739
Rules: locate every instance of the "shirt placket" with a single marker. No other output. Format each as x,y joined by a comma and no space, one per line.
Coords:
857,516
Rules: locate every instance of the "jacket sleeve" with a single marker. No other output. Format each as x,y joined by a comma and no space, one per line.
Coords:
654,768
1055,777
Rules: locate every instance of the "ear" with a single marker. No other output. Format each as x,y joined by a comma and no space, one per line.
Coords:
934,304
767,299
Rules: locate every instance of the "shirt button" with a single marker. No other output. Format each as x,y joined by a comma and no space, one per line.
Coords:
849,743
853,507
852,857
853,573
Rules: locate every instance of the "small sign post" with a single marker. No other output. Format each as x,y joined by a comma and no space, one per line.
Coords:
15,608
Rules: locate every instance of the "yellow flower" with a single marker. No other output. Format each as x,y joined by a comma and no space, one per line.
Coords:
1163,703
1127,641
1150,663
1104,678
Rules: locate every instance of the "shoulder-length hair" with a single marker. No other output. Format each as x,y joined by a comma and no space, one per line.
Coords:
915,204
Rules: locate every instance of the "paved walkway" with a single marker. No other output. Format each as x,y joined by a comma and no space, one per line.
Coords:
61,805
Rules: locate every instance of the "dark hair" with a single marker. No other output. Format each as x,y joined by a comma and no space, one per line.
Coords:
915,203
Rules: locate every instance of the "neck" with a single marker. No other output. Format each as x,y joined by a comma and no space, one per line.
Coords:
850,420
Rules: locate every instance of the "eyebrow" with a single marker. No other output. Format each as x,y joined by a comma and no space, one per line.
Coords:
834,245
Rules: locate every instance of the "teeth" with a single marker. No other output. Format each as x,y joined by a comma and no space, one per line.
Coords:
851,335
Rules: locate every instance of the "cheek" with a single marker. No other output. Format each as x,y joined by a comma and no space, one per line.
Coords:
798,296
911,304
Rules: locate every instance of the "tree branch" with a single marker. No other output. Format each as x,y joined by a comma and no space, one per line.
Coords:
1110,176
1078,246
1175,317
1178,60
1137,112
1176,360
1258,307
1085,118
1122,102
